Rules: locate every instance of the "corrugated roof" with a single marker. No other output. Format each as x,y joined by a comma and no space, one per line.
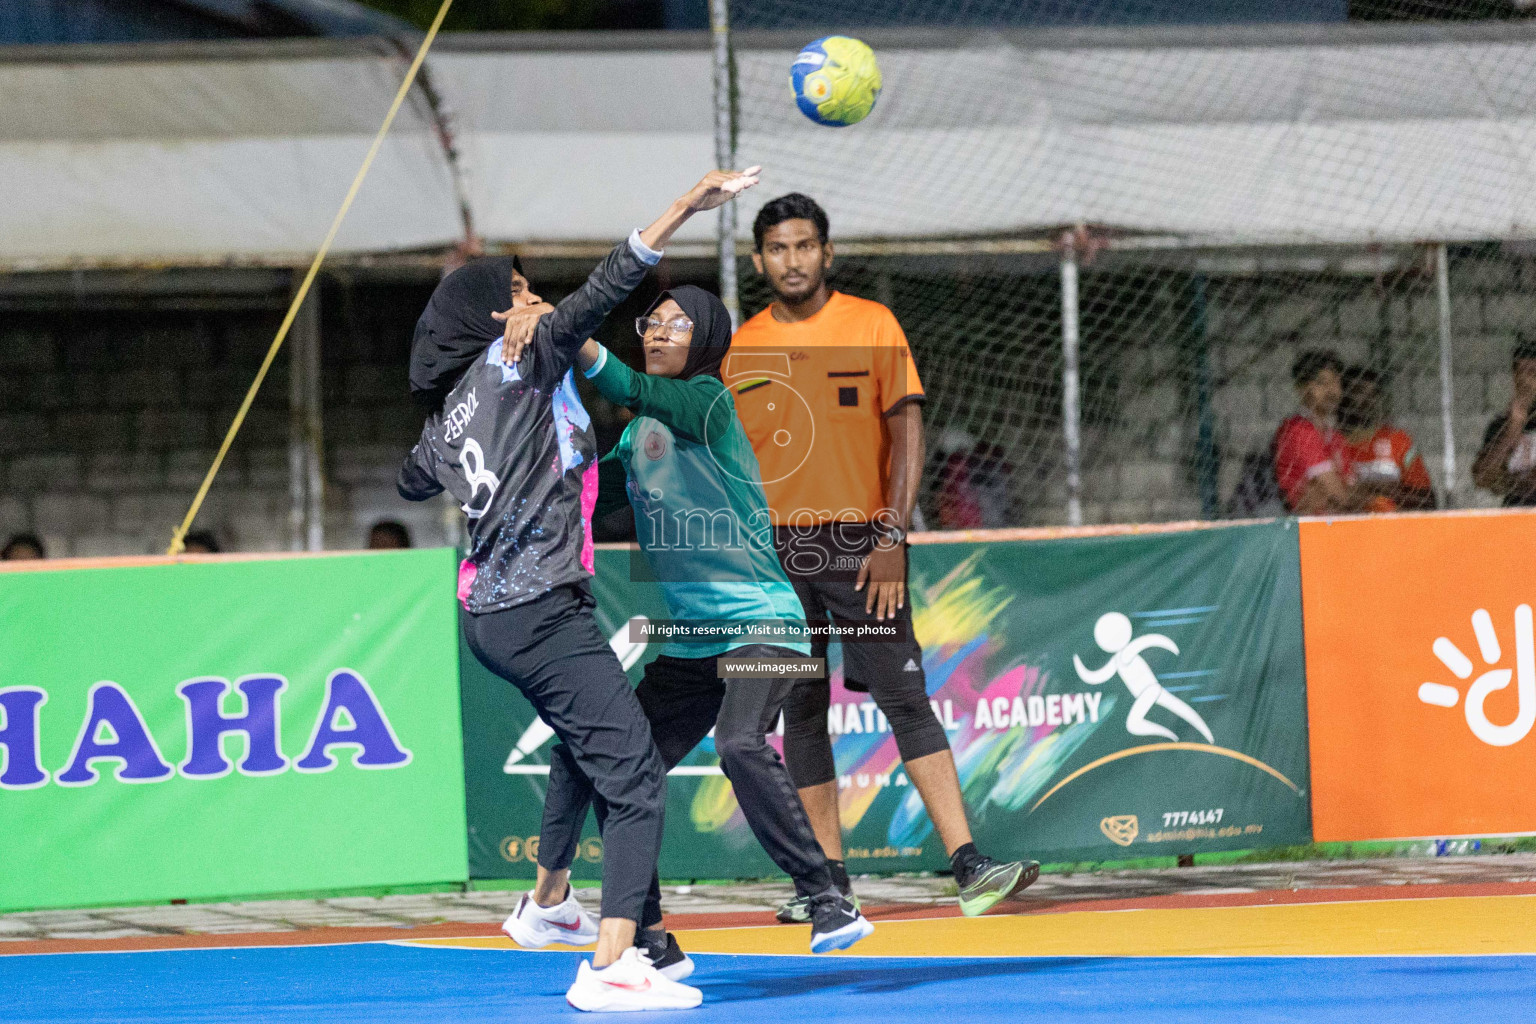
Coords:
240,152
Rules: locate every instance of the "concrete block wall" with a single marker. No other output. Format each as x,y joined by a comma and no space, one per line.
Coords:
111,415
1138,463
1490,303
108,422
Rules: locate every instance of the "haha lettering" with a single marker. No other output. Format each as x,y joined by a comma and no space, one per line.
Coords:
113,730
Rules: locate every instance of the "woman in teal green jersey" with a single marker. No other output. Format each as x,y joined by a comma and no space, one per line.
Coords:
701,519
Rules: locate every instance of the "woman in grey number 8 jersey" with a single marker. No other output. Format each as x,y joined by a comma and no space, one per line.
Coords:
507,436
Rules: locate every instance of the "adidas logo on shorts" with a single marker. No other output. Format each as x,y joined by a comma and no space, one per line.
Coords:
911,666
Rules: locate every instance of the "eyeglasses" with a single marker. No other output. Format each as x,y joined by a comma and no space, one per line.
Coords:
644,325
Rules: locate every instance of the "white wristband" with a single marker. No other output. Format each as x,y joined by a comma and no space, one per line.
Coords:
597,367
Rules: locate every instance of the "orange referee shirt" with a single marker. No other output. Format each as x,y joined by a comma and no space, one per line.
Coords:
813,397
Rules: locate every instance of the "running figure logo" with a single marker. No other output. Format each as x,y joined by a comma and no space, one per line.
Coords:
1443,696
1113,634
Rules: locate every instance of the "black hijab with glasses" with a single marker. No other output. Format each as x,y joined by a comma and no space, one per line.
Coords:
711,329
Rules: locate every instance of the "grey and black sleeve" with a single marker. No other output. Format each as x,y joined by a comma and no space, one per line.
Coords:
552,349
417,480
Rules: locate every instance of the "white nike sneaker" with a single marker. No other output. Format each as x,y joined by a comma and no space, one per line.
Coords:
629,983
534,927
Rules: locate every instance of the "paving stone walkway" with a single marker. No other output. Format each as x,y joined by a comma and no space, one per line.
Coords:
483,907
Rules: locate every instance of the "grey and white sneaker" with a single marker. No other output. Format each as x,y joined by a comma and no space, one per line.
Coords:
836,922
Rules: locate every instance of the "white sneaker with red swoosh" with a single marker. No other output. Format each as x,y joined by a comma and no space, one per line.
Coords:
534,927
629,983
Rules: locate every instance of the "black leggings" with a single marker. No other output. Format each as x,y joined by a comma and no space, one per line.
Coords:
552,650
683,698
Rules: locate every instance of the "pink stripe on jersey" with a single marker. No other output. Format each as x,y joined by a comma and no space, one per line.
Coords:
588,506
467,574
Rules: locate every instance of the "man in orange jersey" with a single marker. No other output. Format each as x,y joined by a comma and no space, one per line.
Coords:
826,388
1379,457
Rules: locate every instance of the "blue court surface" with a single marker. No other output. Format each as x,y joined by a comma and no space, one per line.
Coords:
365,983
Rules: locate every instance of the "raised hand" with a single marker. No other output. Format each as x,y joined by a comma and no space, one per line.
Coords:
716,189
719,187
1522,399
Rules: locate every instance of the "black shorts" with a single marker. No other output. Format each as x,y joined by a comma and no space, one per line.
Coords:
823,565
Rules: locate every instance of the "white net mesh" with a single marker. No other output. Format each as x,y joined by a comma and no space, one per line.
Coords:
1238,194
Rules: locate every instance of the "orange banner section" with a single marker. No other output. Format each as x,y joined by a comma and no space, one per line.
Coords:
1421,675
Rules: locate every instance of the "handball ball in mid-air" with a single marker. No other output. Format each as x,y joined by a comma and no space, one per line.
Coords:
836,81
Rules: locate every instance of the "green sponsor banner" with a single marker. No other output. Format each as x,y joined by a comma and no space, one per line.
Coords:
229,729
1105,698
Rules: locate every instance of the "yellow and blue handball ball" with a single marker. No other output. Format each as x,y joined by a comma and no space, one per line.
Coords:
836,81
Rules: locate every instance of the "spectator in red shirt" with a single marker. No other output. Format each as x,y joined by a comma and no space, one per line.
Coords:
1381,462
1308,449
1308,464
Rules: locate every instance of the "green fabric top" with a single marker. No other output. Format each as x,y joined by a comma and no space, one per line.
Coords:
700,515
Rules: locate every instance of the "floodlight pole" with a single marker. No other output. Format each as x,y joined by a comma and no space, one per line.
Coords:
725,153
1447,418
1071,405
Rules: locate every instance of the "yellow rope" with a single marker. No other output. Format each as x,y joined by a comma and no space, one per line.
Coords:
179,537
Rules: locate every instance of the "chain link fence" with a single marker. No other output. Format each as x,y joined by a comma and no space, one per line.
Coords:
1185,370
1192,301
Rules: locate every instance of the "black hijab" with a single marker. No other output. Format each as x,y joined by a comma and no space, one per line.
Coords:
456,327
711,329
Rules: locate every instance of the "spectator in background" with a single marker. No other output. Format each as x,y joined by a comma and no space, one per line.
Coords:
956,501
1308,448
972,486
202,542
1506,464
1381,462
991,473
23,547
1313,459
388,535
1256,492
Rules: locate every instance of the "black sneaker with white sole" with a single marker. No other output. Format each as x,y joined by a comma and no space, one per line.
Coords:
798,910
664,954
836,922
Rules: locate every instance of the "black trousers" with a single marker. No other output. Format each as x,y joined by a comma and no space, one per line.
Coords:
552,650
822,565
683,698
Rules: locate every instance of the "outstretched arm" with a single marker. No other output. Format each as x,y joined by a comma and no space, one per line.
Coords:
698,410
715,190
557,335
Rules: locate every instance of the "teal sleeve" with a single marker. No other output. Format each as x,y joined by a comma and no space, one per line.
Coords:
699,410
